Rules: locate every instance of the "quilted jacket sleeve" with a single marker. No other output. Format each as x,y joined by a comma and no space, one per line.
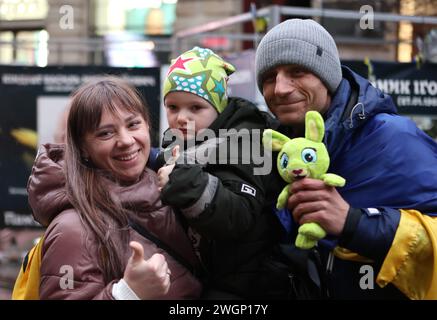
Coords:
68,269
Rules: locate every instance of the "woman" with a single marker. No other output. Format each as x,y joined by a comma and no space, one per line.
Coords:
94,209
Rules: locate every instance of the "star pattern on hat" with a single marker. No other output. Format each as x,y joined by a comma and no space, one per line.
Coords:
194,83
201,72
219,87
179,64
204,55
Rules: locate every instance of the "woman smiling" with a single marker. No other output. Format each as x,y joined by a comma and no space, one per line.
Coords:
98,199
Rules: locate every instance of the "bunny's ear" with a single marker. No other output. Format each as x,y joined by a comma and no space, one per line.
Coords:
274,140
314,126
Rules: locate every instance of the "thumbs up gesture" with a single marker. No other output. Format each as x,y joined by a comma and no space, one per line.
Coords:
165,171
149,279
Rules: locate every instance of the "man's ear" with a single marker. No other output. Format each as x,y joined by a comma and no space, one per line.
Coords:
314,126
274,140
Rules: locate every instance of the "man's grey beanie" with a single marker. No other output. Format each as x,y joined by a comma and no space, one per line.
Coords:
301,42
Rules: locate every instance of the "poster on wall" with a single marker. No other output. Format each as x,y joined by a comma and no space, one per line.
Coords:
32,101
412,86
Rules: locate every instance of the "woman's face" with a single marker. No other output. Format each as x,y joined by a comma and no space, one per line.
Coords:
119,145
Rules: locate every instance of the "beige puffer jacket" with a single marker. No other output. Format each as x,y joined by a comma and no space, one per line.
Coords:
68,242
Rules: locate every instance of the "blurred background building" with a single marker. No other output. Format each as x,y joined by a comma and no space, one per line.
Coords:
138,33
147,33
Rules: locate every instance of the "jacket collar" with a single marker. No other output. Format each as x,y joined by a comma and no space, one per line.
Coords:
340,121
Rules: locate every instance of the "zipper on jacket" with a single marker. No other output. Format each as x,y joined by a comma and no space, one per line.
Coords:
330,262
361,115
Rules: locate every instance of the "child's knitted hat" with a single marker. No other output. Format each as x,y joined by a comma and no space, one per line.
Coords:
202,72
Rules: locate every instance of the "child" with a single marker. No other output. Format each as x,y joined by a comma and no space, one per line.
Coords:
213,185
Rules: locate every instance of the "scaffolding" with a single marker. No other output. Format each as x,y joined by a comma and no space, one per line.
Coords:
274,14
94,48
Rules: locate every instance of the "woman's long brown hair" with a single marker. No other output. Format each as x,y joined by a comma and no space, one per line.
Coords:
85,187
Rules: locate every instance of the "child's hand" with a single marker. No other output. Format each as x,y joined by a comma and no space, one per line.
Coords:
163,174
149,279
165,171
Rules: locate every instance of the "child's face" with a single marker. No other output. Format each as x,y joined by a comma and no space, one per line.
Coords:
188,111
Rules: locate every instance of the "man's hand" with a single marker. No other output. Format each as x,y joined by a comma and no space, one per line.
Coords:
149,279
312,200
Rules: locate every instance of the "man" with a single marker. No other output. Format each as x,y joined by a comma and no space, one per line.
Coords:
378,245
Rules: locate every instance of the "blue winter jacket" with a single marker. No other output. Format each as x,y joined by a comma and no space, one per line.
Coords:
388,164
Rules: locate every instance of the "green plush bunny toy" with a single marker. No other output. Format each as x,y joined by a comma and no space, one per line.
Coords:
299,158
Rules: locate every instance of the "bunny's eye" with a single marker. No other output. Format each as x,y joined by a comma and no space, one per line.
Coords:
309,155
284,161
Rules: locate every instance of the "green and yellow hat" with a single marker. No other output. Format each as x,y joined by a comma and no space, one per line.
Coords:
202,72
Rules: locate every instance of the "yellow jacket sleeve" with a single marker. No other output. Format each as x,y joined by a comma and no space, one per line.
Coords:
411,263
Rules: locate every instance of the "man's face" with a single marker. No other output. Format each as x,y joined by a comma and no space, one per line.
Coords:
290,91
